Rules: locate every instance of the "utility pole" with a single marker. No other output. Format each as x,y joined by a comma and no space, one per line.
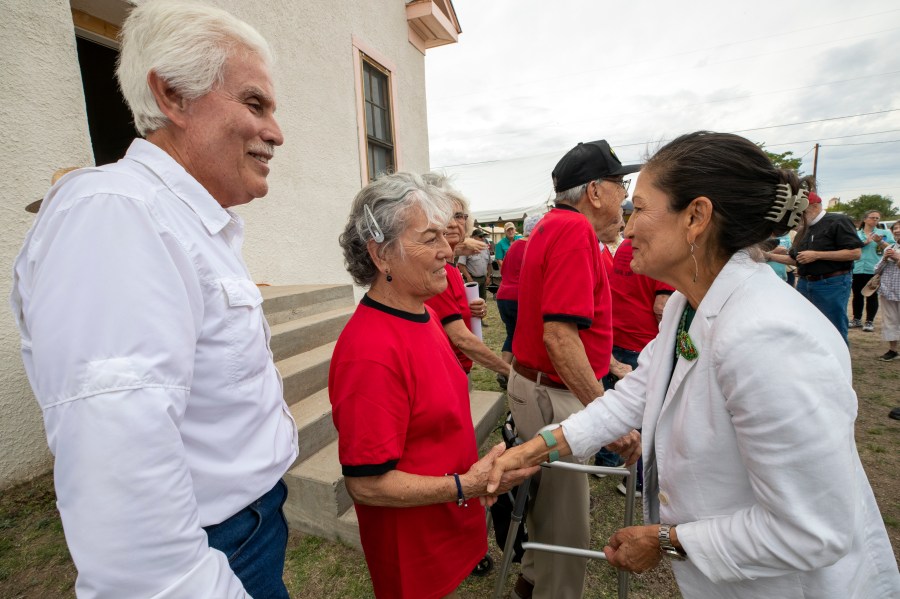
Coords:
815,161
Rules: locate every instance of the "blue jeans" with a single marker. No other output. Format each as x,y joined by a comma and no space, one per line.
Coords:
254,540
830,296
509,313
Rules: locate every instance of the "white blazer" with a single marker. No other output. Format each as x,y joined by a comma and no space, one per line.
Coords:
750,448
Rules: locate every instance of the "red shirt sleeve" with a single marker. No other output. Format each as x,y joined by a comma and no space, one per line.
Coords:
569,286
371,409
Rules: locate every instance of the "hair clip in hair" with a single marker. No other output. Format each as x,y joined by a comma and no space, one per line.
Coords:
787,201
372,225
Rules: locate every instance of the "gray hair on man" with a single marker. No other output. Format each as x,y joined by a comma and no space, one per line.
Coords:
387,201
571,196
187,44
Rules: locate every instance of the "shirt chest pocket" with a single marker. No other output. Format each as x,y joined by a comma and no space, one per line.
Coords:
244,330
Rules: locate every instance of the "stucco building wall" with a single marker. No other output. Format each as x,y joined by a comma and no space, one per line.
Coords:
43,124
292,233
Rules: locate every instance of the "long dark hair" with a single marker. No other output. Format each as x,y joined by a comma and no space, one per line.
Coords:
737,177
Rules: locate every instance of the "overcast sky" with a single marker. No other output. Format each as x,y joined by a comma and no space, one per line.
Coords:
533,77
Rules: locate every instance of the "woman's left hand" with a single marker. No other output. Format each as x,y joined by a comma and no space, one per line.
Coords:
478,308
635,548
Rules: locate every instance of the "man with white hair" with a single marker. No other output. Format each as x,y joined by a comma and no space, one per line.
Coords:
143,335
562,348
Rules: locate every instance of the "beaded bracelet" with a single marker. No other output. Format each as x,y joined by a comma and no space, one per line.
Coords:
461,500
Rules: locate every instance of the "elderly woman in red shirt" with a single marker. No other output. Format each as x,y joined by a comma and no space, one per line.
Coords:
400,402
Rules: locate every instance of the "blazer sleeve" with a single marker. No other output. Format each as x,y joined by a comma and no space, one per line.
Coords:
613,414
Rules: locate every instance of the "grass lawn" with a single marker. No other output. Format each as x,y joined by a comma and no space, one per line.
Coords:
34,561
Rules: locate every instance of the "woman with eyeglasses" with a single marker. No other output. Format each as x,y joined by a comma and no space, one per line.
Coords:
400,399
452,307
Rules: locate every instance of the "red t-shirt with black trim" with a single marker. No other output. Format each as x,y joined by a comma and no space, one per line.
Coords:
400,401
510,271
452,305
633,295
563,280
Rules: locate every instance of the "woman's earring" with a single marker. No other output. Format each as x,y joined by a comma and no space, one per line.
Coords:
696,269
390,278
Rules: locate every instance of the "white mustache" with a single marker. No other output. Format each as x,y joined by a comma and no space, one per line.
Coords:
264,149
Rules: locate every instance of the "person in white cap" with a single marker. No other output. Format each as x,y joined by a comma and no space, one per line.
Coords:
509,236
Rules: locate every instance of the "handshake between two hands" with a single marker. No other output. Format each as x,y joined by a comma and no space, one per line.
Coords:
635,548
502,469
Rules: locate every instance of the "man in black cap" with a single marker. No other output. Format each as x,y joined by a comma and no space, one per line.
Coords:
562,348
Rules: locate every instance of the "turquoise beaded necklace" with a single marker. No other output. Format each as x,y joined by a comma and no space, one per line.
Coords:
684,346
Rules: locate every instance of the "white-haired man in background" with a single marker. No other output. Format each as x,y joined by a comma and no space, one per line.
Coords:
143,335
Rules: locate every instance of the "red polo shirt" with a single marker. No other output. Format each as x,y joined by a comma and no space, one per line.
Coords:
509,272
634,323
563,280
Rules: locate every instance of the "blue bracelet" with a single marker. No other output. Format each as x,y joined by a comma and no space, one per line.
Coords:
460,498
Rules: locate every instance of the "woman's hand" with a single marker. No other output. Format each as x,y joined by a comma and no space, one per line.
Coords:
475,481
635,548
478,308
628,447
807,256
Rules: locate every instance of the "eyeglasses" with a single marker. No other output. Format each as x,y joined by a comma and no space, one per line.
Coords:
623,183
461,216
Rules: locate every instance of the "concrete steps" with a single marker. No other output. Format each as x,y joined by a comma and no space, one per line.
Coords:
305,322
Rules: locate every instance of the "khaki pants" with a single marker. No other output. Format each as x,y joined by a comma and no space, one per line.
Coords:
560,512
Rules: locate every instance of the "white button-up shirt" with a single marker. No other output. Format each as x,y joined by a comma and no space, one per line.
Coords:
144,341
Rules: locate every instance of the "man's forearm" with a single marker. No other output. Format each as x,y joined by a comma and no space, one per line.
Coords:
840,255
570,361
780,258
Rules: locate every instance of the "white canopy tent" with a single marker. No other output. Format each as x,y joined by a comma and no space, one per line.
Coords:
504,190
509,190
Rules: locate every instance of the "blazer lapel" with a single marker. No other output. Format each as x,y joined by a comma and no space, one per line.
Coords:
663,390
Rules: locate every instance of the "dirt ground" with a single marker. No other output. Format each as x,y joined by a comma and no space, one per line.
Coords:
35,564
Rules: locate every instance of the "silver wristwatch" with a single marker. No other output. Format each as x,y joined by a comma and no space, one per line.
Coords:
665,543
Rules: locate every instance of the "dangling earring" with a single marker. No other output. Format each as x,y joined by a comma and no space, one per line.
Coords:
696,268
390,278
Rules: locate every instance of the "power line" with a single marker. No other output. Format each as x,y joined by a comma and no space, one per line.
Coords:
834,118
862,143
805,141
787,143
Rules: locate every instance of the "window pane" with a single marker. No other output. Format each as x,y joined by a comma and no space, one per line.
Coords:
378,119
377,91
370,120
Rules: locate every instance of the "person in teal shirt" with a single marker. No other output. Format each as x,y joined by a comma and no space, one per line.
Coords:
874,240
509,235
783,241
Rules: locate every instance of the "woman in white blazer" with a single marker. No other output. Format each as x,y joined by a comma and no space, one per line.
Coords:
752,482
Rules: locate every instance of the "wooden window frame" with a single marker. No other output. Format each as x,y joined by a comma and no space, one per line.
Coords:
363,53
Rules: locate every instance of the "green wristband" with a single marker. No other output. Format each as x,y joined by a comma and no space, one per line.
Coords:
550,440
